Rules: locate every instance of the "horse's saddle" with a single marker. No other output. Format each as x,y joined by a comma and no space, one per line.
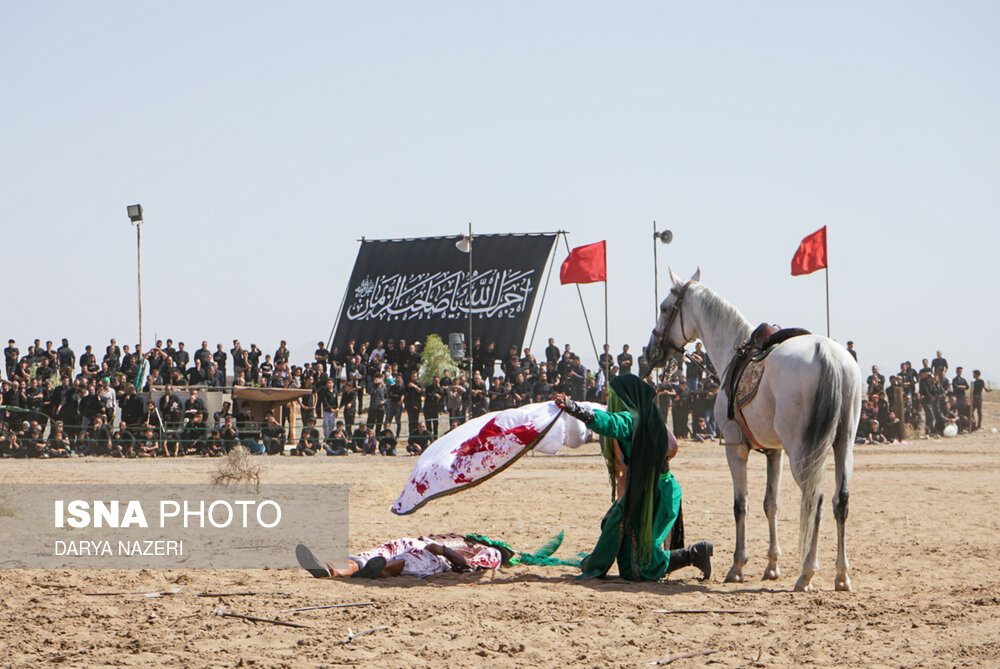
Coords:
746,370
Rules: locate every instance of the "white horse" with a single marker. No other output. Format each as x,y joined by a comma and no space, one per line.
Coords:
809,400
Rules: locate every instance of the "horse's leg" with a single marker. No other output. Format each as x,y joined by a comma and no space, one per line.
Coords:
737,455
843,458
774,464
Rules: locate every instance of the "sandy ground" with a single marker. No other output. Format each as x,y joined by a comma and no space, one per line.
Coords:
924,536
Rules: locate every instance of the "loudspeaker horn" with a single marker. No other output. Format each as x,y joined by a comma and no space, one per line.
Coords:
666,236
464,244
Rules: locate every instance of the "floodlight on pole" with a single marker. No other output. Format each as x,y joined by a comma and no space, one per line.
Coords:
135,216
664,237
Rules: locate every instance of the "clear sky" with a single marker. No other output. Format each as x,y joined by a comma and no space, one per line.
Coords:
264,138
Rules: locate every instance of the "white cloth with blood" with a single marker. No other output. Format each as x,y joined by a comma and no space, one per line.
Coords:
484,446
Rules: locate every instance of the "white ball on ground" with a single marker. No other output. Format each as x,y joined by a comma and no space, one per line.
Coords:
950,430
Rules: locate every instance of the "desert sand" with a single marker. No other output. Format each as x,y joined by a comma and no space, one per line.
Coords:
923,539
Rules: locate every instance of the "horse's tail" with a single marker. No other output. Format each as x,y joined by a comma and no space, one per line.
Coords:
820,432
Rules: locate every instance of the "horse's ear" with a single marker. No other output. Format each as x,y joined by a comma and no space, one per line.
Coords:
697,275
673,277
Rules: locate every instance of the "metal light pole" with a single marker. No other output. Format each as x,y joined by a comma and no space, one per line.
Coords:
465,246
135,215
665,237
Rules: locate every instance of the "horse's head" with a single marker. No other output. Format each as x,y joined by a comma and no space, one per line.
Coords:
669,336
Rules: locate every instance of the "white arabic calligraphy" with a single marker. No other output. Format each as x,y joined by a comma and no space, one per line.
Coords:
495,294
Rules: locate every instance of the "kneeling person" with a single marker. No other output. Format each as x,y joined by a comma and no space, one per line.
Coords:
646,512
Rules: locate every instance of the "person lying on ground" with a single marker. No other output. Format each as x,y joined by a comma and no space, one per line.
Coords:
407,556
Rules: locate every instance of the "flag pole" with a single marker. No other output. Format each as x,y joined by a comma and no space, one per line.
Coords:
827,273
606,342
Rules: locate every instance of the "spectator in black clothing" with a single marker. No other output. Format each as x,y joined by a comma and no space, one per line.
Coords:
552,354
625,361
349,404
193,434
253,357
195,375
939,364
387,442
413,396
281,354
327,405
564,364
419,440
273,436
150,417
541,391
194,404
433,403
336,441
220,358
360,439
229,434
321,356
171,409
644,368
497,394
606,361
478,396
11,355
240,363
215,377
876,382
702,432
265,370
978,387
309,440
66,358
577,378
850,349
893,428
203,355
58,444
929,391
394,403
511,365
455,400
90,406
959,385
98,439
681,407
181,357
489,360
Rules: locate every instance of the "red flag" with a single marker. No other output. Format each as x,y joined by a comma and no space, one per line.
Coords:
585,264
811,254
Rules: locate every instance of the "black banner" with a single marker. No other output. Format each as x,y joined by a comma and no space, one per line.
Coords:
408,289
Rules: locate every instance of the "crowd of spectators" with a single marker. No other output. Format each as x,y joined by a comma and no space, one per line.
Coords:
56,404
926,401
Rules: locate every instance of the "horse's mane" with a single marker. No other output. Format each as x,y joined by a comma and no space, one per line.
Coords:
719,310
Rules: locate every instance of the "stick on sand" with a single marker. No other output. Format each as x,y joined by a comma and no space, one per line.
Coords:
330,606
683,656
695,611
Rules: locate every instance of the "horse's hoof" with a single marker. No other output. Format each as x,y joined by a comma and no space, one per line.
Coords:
842,585
772,574
734,576
803,585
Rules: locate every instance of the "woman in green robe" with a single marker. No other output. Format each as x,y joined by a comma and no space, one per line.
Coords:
644,521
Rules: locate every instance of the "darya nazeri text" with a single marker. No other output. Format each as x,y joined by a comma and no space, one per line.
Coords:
84,548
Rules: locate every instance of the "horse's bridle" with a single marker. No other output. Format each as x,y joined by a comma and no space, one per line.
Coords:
675,313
